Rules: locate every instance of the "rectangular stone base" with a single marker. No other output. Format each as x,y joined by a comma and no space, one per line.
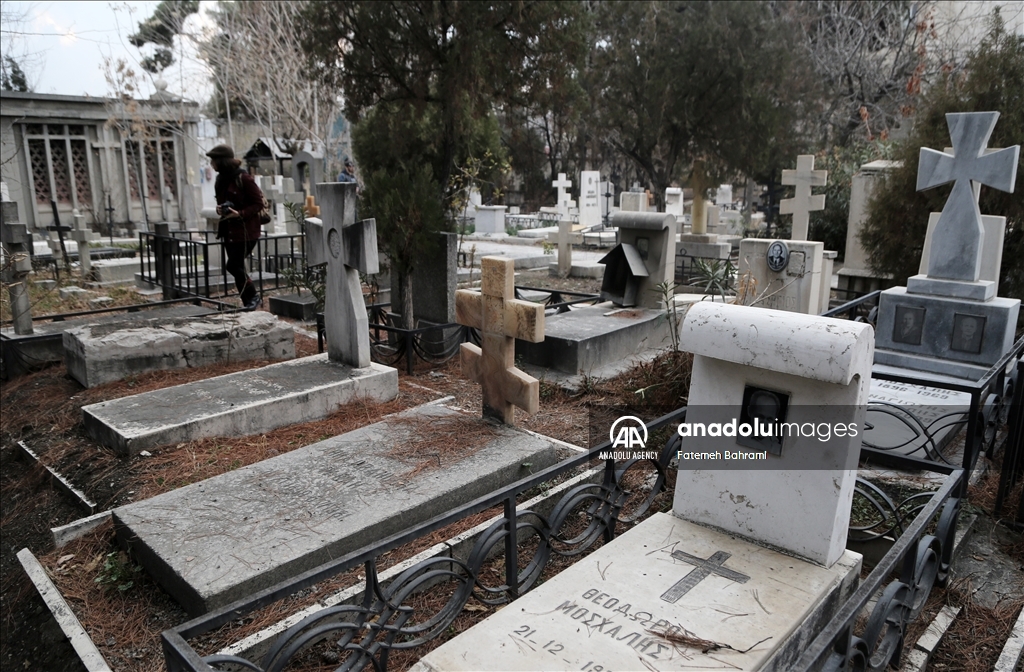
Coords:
917,330
247,402
981,290
598,613
213,542
296,306
589,338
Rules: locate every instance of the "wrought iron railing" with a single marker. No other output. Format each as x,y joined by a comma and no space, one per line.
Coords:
381,623
192,263
922,554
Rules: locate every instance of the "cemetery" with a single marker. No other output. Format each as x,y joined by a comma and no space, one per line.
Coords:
539,377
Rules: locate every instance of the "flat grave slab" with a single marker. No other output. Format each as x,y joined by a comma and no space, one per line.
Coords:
591,337
668,576
101,353
214,542
246,402
45,344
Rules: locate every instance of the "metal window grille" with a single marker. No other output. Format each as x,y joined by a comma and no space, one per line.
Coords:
167,158
61,178
80,166
152,172
40,173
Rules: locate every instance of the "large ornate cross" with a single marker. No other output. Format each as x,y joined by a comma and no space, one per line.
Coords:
959,234
803,202
348,248
501,319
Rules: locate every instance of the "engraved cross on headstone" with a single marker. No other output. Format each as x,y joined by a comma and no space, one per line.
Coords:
348,248
958,239
803,202
704,568
501,319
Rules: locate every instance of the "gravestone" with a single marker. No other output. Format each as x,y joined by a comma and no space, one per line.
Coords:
82,236
348,248
633,201
564,248
565,202
434,281
949,320
803,202
795,274
732,564
101,353
490,219
226,537
856,276
590,198
674,202
723,197
643,259
17,244
785,274
501,319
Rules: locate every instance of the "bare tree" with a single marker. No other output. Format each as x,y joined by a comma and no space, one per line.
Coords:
257,63
873,57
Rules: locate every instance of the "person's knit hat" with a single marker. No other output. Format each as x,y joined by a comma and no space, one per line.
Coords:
221,152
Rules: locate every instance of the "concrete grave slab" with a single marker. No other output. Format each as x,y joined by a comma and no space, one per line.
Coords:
894,429
216,541
246,402
588,338
598,614
101,353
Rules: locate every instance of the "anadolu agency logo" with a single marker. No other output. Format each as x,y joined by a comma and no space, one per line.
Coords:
628,436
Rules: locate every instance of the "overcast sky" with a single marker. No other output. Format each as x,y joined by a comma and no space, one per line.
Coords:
63,46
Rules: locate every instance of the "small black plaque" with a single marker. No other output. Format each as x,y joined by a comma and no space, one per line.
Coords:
643,246
968,331
763,411
908,325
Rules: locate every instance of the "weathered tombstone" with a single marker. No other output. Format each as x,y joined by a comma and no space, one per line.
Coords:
434,281
950,320
501,319
565,202
731,565
564,248
783,274
633,201
643,259
17,243
590,198
856,276
803,203
674,202
490,219
793,274
348,248
723,197
82,236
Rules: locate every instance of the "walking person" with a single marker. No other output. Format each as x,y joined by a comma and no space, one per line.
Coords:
239,201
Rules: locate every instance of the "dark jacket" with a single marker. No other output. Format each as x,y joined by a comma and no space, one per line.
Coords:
248,202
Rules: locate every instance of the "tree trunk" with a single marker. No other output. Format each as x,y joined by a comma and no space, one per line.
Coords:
405,279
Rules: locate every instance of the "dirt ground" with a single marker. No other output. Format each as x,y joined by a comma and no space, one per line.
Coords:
43,411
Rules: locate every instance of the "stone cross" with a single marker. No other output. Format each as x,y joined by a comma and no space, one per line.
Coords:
705,568
82,235
17,242
348,248
564,201
803,202
957,242
501,319
564,248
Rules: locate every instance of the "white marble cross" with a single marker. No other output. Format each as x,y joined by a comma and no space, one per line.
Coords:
958,239
501,319
803,202
564,201
349,248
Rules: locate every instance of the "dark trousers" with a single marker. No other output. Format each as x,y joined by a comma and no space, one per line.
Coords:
236,254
